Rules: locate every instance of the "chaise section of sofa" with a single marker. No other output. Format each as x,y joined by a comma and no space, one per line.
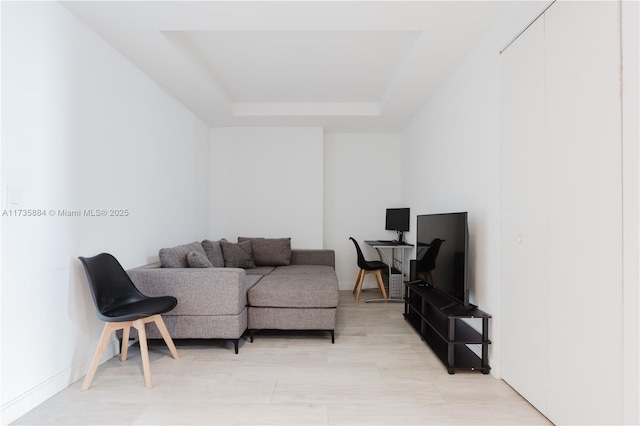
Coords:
299,296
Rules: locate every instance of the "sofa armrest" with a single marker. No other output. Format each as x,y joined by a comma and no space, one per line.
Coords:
313,257
200,291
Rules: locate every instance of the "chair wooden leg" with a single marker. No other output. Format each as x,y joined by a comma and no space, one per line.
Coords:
144,349
380,283
125,343
359,284
102,344
144,352
428,278
165,335
355,287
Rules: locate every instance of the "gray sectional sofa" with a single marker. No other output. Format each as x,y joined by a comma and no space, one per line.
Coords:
225,289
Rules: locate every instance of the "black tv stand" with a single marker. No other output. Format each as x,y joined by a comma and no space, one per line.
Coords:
441,324
450,305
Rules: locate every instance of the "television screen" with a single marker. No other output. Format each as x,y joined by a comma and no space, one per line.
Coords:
397,220
442,253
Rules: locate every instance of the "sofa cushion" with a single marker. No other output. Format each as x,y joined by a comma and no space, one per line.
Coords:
260,270
292,318
198,260
270,251
176,257
237,255
250,281
296,286
313,257
214,252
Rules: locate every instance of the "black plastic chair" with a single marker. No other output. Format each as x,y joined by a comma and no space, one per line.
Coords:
368,267
428,262
120,304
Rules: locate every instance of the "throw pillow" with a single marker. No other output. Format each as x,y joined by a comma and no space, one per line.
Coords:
270,251
198,260
176,257
214,252
237,255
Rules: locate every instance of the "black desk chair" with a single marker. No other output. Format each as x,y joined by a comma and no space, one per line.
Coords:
427,263
368,267
120,304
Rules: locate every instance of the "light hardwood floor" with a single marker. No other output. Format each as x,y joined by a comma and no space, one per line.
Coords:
378,372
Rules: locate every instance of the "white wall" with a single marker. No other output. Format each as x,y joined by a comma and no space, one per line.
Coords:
267,182
318,189
362,178
451,159
82,128
631,209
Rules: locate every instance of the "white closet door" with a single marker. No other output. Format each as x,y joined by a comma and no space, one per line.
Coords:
523,209
561,192
584,229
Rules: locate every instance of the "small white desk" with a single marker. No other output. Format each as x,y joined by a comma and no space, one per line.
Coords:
396,260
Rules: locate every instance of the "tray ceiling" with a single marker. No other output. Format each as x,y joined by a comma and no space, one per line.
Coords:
346,66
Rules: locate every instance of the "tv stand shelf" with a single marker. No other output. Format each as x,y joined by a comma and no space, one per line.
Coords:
441,323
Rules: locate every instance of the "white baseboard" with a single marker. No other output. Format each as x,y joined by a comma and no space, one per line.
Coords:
21,405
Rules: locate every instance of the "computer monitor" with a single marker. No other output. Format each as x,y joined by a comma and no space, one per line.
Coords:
398,220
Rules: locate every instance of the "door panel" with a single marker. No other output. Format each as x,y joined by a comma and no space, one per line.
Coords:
584,184
523,209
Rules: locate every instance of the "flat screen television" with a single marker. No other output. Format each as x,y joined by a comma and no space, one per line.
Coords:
442,247
398,220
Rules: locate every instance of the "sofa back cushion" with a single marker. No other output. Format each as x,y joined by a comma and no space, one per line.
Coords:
237,255
176,257
270,251
214,252
196,259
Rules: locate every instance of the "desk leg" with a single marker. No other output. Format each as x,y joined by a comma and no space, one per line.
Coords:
385,259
